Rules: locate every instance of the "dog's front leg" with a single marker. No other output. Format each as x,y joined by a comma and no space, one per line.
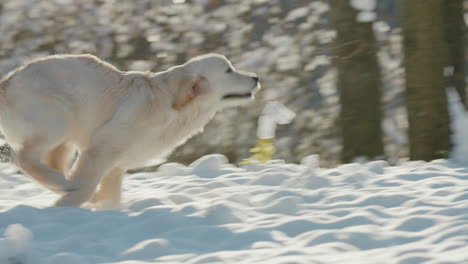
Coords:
91,167
108,195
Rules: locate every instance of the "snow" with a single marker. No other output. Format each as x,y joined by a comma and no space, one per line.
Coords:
363,5
365,8
448,70
366,16
215,212
297,13
459,126
14,247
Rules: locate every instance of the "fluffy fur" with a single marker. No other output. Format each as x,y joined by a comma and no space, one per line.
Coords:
55,107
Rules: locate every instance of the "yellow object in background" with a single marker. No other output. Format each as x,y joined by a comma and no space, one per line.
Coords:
273,113
262,152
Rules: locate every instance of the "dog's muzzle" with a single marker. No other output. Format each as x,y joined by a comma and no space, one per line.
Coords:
250,94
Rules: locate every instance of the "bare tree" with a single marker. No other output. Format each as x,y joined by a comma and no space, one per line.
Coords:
359,83
455,37
426,101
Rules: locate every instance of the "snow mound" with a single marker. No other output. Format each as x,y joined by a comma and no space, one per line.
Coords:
66,257
14,246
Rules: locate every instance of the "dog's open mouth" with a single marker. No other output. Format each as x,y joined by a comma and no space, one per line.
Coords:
243,95
237,96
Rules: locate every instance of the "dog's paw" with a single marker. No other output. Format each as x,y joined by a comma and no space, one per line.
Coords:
68,200
63,188
76,197
102,205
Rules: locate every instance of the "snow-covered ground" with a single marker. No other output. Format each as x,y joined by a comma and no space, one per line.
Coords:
215,212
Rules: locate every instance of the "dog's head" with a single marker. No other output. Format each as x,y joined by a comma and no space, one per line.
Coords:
212,79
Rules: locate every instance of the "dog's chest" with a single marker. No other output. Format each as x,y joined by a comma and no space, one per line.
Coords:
158,142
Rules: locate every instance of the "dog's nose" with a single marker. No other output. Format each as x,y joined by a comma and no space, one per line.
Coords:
256,79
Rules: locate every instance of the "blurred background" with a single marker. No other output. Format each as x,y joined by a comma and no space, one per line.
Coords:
338,64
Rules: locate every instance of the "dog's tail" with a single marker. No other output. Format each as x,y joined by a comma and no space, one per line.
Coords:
3,88
6,153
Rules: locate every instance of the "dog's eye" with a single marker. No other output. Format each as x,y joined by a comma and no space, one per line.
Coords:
229,70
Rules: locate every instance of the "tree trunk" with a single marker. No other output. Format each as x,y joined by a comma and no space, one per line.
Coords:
426,100
455,32
359,84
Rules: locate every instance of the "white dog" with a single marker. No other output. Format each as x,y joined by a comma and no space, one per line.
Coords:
55,107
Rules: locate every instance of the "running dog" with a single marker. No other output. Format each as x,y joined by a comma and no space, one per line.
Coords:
65,105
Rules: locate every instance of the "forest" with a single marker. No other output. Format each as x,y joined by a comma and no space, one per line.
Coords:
365,78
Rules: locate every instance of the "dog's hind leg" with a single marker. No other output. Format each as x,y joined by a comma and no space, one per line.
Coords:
29,156
92,165
109,192
60,158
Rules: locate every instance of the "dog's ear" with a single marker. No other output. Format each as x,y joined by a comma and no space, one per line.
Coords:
189,88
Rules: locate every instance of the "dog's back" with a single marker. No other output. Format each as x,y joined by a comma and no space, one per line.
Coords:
57,93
